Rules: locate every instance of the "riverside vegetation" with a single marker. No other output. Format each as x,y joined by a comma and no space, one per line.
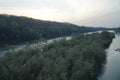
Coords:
80,58
18,29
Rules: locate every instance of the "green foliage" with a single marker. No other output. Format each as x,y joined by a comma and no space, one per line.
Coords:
15,30
80,58
106,40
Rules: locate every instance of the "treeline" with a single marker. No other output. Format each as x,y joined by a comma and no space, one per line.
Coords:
117,30
80,58
18,29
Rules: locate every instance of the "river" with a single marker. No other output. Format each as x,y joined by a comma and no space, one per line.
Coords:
39,45
111,70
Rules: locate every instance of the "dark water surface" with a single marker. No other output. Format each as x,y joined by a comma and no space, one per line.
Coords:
112,67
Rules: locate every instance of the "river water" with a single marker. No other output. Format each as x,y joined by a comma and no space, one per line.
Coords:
111,69
33,45
40,44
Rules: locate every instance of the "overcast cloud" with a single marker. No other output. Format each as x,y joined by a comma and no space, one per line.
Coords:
81,12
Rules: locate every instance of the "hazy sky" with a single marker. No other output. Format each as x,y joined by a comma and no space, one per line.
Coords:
81,12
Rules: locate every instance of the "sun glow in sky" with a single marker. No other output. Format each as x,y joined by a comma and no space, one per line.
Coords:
81,12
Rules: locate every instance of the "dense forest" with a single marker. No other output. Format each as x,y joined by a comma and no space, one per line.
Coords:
80,58
18,29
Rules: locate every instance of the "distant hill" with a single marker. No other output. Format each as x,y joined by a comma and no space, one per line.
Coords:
19,29
117,30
